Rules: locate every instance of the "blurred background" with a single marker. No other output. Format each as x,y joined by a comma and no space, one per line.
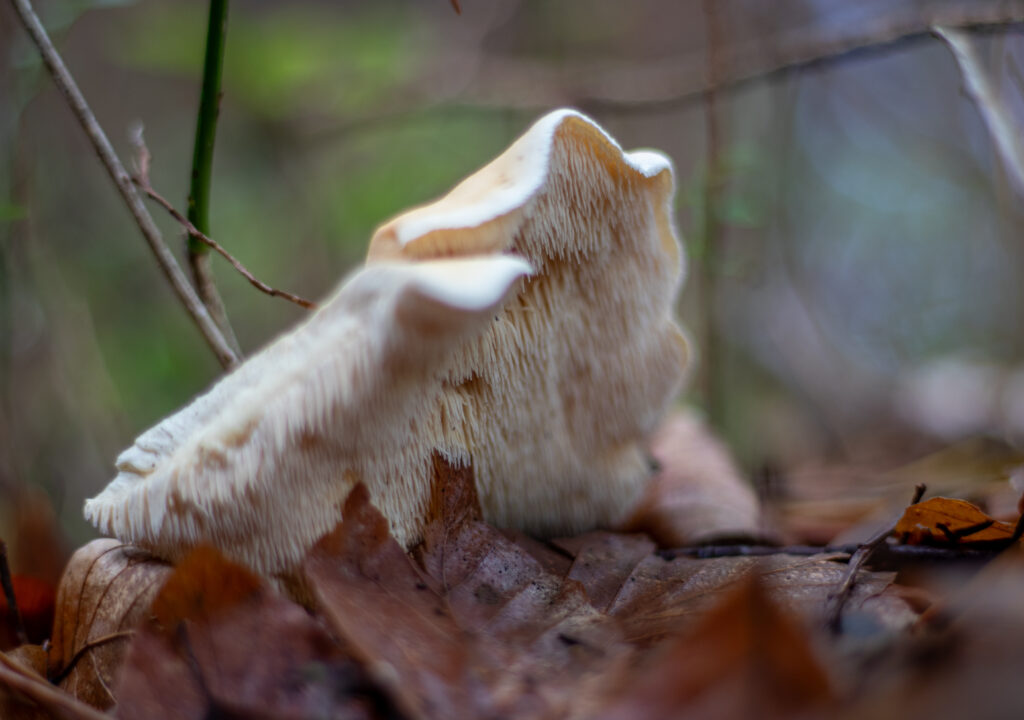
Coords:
856,259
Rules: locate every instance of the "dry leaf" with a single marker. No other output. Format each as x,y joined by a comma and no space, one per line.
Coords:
523,616
26,694
35,599
746,658
947,521
378,602
697,495
222,643
105,592
479,629
658,594
36,545
482,623
14,705
966,665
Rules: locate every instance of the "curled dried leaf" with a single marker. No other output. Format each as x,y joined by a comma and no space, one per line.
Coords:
105,593
949,521
222,643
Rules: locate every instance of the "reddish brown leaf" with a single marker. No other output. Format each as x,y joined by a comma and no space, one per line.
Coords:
697,494
36,600
36,544
968,665
15,705
504,591
222,643
25,694
380,603
202,586
948,521
481,629
655,595
105,592
746,658
602,561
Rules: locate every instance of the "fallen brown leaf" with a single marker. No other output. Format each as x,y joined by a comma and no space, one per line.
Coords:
697,495
25,694
35,599
36,545
965,663
222,643
745,658
948,521
380,603
476,622
106,591
479,628
657,594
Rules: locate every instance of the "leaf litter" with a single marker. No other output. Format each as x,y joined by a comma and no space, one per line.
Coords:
482,623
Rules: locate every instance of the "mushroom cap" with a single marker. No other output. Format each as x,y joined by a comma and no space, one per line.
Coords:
260,465
552,404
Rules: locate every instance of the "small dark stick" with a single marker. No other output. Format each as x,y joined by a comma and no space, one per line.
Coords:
834,618
1018,530
957,535
13,614
919,491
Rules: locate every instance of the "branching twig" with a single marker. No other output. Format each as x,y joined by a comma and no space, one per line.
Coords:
1004,130
202,168
13,613
141,178
76,101
799,50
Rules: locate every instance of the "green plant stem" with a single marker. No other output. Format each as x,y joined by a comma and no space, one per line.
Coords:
202,166
165,258
206,123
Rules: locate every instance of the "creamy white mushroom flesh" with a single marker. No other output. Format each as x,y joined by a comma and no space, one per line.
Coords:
553,403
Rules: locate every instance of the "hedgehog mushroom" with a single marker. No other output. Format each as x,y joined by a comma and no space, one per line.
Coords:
521,324
552,405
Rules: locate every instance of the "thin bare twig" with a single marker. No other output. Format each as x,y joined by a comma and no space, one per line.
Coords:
1004,130
681,84
839,599
857,561
1018,530
886,557
141,178
13,613
19,678
165,258
919,490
